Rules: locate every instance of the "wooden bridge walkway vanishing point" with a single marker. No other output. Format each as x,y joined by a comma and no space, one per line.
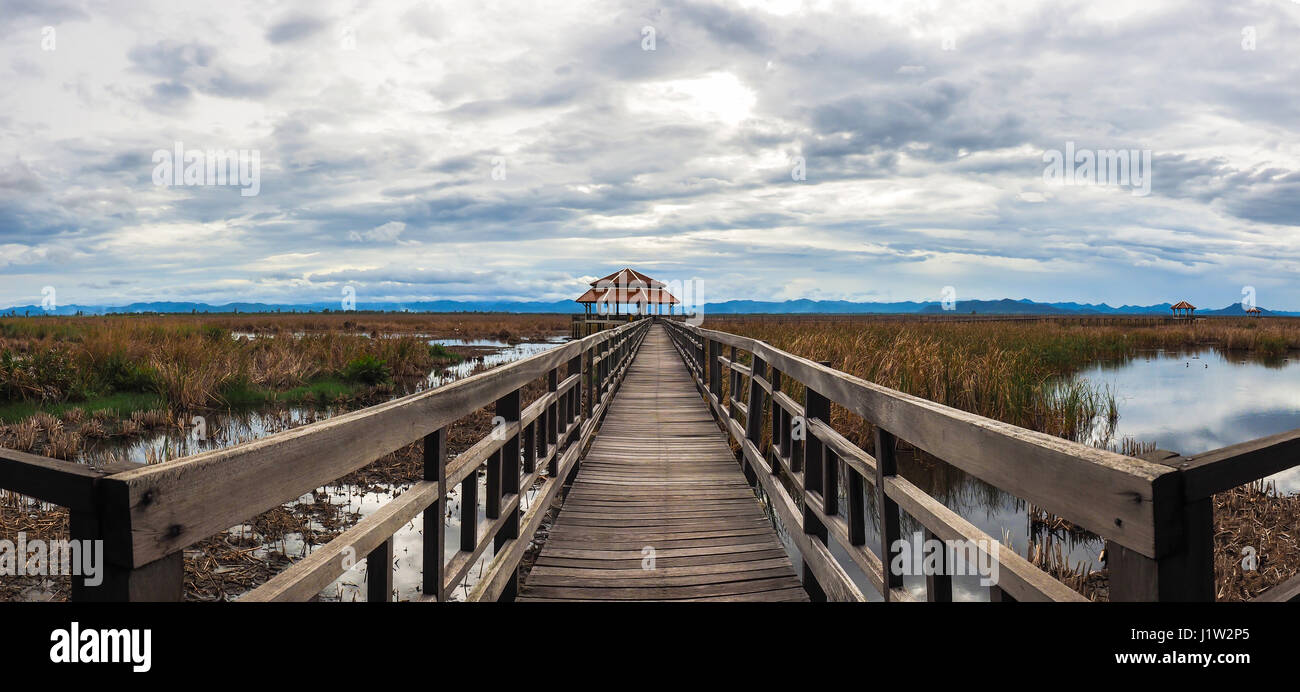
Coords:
659,509
639,422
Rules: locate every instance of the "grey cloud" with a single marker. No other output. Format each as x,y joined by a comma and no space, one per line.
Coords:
295,28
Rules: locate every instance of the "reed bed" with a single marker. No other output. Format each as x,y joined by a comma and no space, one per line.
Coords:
195,362
1023,373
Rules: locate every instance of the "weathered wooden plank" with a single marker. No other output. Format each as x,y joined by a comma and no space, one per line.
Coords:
64,483
660,488
175,504
1234,465
1106,492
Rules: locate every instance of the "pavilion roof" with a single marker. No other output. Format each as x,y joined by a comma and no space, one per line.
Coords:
628,277
628,286
1182,305
616,295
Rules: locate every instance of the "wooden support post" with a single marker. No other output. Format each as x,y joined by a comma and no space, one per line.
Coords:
379,573
469,512
492,502
714,368
158,581
938,586
819,407
530,447
754,415
435,469
887,465
830,482
551,421
508,407
1184,568
588,380
857,509
733,388
774,412
573,412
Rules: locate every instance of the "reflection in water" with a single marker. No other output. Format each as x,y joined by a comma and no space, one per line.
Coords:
1190,403
232,428
494,353
1194,403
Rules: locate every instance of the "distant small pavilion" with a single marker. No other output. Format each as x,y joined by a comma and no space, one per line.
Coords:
627,287
1183,310
1253,311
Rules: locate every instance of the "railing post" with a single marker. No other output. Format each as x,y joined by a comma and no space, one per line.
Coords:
530,447
887,465
857,512
819,407
1184,570
780,442
551,421
733,386
158,581
714,369
469,512
754,414
508,407
379,573
589,381
573,400
435,469
938,582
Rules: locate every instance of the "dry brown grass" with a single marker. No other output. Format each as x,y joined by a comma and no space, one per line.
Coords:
1254,516
195,361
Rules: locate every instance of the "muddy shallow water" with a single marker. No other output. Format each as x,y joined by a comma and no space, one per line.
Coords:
220,430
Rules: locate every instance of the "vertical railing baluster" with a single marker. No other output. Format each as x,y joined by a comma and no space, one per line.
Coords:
379,573
938,582
818,407
754,414
776,431
857,508
435,469
588,381
715,369
733,389
508,407
469,512
886,466
573,412
530,447
550,420
830,483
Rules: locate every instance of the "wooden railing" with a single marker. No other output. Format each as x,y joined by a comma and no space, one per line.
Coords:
1155,512
148,515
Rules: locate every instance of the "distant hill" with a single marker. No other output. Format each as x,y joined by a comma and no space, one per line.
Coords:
1005,306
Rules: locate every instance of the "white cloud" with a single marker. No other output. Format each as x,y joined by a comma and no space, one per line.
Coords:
923,164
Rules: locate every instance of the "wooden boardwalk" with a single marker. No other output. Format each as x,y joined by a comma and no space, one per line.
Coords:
660,477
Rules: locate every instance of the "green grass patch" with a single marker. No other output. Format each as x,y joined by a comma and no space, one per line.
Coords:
121,404
442,353
323,389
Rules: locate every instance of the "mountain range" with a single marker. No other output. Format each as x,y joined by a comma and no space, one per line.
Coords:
1005,306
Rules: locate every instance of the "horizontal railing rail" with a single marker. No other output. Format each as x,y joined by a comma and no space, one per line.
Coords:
1154,512
147,515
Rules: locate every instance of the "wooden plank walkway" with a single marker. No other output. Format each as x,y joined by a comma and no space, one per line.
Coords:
660,475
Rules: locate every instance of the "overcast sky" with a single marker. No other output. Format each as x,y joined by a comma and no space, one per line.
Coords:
517,150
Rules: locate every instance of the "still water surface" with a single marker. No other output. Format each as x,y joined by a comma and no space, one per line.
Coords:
1189,403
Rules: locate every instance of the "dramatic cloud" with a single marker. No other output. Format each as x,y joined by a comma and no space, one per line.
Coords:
828,149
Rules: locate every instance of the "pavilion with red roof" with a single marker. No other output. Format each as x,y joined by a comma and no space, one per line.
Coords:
626,287
1183,310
